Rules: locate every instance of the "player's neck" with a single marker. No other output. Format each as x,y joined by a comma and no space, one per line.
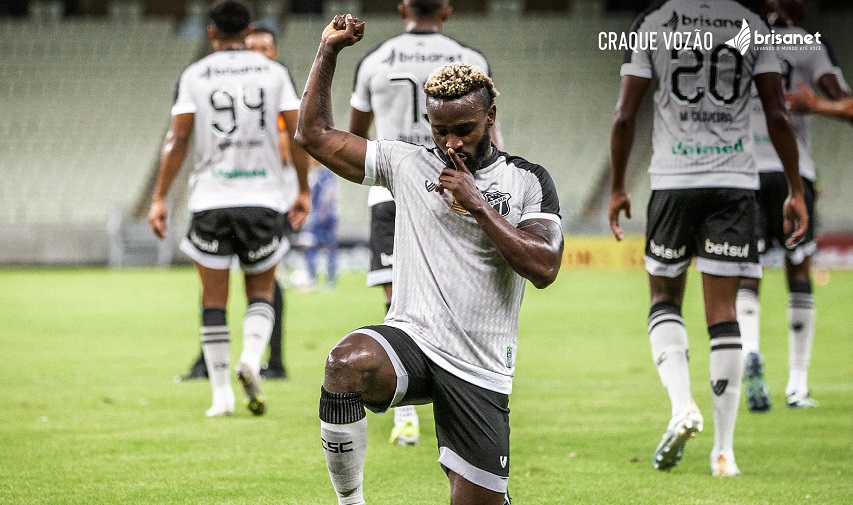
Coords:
423,26
230,45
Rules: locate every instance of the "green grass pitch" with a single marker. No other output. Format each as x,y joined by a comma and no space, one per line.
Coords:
89,412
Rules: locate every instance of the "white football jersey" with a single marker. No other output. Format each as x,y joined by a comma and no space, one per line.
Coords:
236,97
453,292
799,64
389,82
701,135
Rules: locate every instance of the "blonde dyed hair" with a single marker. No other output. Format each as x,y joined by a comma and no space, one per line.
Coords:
456,80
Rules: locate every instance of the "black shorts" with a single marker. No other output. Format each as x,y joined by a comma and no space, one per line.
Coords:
716,225
381,243
471,423
771,200
255,234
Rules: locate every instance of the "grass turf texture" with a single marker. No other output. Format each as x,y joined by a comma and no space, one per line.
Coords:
90,414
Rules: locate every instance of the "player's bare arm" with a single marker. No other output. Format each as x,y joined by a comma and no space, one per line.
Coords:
341,151
534,249
359,122
836,90
805,101
621,140
171,158
302,205
769,86
831,86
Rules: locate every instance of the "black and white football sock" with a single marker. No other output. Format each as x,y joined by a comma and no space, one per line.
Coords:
257,328
748,318
216,346
670,352
801,324
726,364
276,359
343,430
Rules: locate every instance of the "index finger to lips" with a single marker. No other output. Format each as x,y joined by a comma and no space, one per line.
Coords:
457,161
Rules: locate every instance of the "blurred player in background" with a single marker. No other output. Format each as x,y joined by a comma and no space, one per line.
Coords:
264,41
473,225
229,103
799,64
388,90
322,227
804,101
703,182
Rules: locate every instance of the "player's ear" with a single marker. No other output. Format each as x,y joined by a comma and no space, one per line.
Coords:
492,115
446,12
403,10
211,33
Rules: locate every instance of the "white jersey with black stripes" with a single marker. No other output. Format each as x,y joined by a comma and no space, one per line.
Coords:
389,82
236,97
805,64
456,295
701,135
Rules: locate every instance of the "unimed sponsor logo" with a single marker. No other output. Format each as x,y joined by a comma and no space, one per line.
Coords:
725,249
662,251
697,149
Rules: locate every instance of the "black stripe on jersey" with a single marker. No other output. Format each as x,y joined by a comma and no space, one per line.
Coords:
292,82
829,52
178,83
550,201
361,60
636,26
177,87
488,68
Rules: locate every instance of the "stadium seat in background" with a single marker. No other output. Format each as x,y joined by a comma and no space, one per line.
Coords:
86,104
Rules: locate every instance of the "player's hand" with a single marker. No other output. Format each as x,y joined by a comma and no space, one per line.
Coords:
801,101
157,215
796,219
344,30
460,182
619,201
300,209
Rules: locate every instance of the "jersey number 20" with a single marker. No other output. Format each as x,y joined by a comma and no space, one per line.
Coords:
693,97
